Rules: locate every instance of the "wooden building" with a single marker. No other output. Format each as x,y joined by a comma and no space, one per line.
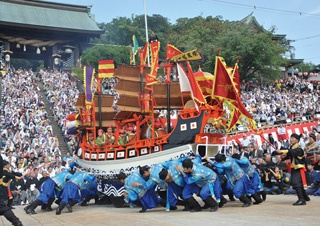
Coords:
56,33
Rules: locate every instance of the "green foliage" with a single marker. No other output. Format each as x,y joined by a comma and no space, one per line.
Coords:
120,31
260,55
78,72
306,67
120,55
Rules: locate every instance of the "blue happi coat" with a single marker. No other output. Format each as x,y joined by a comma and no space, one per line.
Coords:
205,179
252,173
154,178
48,187
236,176
72,189
147,197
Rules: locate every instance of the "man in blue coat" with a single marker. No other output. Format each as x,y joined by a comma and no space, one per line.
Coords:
201,179
175,182
228,167
48,190
71,192
253,174
138,194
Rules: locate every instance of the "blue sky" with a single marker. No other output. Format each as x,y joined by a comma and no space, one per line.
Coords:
298,19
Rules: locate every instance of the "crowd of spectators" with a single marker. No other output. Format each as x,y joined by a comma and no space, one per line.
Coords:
27,141
62,93
29,145
294,99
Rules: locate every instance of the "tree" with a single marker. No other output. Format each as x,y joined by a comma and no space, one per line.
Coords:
120,55
306,67
260,55
120,30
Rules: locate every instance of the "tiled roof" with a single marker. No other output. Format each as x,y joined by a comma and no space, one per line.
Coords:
47,16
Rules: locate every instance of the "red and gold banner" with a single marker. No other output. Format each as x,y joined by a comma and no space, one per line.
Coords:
172,52
223,84
105,69
225,88
197,94
154,48
205,81
143,54
236,77
190,55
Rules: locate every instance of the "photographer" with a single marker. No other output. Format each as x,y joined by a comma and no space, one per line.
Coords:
272,180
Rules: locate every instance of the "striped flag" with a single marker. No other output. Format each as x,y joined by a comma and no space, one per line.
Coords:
105,69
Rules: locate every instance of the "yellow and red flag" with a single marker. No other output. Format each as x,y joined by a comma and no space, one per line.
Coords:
105,69
154,47
236,77
190,55
224,87
205,81
172,52
143,54
234,117
198,96
189,85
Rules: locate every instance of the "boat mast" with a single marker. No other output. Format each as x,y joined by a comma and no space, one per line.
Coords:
168,72
146,28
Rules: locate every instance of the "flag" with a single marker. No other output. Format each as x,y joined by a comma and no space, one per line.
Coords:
197,94
134,50
172,51
88,84
236,77
229,70
235,115
205,81
151,78
135,45
186,86
223,85
105,68
190,55
143,54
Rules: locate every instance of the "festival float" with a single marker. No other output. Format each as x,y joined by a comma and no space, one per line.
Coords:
128,113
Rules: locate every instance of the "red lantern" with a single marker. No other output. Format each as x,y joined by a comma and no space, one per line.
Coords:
300,74
305,73
311,74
